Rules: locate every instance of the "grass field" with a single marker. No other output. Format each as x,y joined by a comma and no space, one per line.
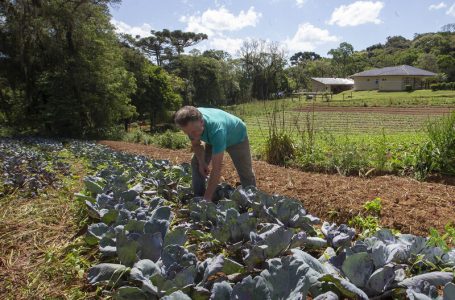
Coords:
365,130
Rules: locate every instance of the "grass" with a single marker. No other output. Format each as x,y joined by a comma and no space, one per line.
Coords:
41,253
348,98
348,142
168,139
400,99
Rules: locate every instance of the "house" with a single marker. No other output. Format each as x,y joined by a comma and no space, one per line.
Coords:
392,79
331,85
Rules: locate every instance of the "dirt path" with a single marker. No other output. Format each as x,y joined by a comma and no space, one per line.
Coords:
408,205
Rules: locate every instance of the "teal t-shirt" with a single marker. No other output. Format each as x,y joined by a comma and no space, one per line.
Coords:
221,129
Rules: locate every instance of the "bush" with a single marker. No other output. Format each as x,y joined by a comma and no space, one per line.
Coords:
168,139
279,149
424,162
171,140
443,86
442,136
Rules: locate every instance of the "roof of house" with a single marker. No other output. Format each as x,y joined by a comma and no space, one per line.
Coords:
403,70
334,81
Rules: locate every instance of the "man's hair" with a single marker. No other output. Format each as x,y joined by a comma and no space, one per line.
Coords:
187,114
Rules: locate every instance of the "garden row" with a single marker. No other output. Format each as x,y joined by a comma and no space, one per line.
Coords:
156,240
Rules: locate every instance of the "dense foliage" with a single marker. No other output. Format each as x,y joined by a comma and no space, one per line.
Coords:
157,241
64,71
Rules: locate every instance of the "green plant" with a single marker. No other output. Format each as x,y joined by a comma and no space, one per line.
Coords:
424,162
442,135
381,153
171,140
348,157
367,225
373,206
279,147
136,136
442,241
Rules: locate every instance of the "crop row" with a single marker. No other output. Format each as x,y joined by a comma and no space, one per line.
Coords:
158,241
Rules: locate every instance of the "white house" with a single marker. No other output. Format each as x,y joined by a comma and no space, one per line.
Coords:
392,79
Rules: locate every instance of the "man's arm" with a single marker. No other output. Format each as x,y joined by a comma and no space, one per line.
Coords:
215,174
198,150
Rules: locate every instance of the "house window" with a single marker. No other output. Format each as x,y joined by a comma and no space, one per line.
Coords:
384,79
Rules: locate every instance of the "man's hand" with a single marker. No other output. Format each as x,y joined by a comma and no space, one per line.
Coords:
204,169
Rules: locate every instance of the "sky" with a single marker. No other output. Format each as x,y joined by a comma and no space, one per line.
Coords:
298,25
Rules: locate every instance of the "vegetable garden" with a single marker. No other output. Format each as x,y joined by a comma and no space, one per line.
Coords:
154,240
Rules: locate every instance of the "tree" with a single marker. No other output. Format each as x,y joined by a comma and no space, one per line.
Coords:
434,43
64,66
446,64
262,67
448,28
397,42
303,57
203,75
428,61
181,40
342,59
165,45
217,54
157,90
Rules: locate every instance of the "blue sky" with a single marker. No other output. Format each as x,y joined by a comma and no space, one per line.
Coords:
298,25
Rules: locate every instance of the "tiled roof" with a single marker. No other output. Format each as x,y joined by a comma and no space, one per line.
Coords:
403,70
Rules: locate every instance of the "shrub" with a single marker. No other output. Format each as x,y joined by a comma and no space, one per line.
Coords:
442,135
135,136
279,149
442,86
424,162
171,140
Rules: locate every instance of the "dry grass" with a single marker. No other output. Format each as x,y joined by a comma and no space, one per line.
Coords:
42,256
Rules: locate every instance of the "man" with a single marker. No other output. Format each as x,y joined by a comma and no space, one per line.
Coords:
221,132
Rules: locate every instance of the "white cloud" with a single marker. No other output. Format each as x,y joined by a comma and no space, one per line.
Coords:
300,3
451,11
308,37
230,45
357,13
122,27
437,6
214,21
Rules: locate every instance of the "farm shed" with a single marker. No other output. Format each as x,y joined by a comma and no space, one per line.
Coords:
333,85
392,79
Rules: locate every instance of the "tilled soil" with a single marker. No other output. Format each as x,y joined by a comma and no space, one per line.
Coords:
407,204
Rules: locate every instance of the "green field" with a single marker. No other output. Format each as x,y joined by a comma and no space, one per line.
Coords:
355,130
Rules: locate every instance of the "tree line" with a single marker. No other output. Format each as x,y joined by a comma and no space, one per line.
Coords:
64,71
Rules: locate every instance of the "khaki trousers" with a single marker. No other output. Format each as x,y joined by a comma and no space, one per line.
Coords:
241,157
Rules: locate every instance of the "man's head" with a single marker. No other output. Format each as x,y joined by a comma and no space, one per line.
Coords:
190,120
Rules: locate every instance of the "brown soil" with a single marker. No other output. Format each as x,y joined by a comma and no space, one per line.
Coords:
408,205
424,110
